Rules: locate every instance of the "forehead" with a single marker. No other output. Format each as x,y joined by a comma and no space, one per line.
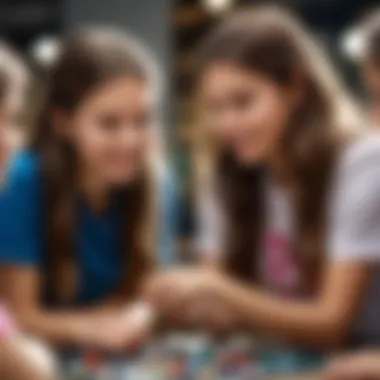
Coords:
220,77
123,92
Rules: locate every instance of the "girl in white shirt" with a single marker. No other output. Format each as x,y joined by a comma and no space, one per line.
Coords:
290,200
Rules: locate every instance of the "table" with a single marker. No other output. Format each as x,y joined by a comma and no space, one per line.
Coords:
297,376
178,357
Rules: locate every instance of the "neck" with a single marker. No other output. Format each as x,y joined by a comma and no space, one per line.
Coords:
277,167
95,190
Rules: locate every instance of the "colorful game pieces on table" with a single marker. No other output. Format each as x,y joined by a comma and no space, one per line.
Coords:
237,359
190,357
286,360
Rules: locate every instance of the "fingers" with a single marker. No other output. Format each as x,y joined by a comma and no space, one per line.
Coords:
361,366
155,290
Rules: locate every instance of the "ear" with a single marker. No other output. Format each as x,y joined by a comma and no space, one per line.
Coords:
60,121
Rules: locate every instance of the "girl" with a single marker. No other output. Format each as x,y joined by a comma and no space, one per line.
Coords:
291,213
77,211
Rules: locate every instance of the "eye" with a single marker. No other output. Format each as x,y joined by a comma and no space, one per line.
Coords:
214,106
242,99
109,122
143,119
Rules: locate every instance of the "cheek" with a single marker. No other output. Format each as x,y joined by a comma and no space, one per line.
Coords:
92,142
269,113
118,155
270,117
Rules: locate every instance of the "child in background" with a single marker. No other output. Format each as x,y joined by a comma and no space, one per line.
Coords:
17,361
13,84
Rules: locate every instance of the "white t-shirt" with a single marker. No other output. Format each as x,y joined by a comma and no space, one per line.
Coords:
353,229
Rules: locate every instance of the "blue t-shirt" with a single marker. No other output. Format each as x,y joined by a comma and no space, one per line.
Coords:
98,246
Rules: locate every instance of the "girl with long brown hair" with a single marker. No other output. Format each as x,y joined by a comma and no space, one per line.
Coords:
290,200
77,211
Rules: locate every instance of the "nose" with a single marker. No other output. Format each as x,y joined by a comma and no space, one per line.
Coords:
130,137
228,122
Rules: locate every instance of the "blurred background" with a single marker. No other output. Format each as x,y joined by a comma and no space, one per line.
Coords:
171,28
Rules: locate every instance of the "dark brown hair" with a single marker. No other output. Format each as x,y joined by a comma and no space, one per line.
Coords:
371,29
87,59
272,42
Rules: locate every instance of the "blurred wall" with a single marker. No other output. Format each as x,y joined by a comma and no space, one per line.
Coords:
150,20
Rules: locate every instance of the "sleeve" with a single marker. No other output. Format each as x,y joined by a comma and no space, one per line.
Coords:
210,224
354,222
170,209
20,224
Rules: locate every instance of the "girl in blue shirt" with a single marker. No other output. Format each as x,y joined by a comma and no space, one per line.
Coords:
77,211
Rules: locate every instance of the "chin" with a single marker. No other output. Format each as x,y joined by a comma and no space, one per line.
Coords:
249,159
122,179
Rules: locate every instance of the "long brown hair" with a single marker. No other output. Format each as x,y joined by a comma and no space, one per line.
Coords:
87,59
272,42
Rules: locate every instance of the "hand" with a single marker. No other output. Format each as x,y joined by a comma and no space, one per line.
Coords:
116,332
188,295
177,286
141,318
361,366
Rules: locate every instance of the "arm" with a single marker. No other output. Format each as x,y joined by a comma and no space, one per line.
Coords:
21,292
352,249
111,325
355,366
18,361
324,321
21,257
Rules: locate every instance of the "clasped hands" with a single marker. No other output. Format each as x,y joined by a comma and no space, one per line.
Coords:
190,296
181,297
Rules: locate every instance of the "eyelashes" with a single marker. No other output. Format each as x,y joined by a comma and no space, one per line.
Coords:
112,123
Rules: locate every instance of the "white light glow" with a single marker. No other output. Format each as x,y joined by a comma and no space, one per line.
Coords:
45,50
353,44
218,6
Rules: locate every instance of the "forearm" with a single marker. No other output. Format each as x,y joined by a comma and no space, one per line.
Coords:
60,328
18,361
309,323
113,303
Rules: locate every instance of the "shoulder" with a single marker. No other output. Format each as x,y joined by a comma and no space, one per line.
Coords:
358,172
354,214
362,154
24,169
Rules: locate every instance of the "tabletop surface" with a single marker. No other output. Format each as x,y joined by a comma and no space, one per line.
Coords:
178,357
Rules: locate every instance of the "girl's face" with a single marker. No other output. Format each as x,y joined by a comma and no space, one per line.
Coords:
245,111
111,130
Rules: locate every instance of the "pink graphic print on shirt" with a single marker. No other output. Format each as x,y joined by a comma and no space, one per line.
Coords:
281,272
7,326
